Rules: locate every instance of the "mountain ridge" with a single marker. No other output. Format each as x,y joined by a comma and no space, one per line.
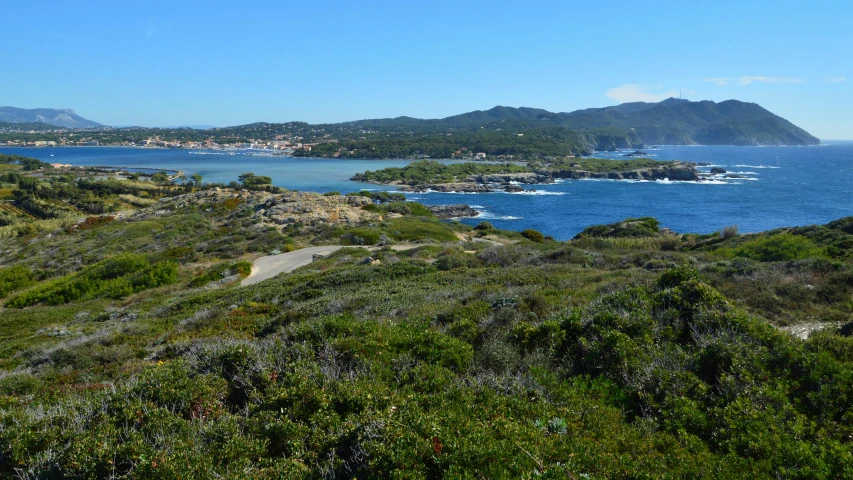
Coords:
671,121
60,117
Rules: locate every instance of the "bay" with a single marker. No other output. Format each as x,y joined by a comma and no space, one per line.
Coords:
782,186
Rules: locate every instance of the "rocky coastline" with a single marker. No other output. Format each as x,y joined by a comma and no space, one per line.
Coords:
512,182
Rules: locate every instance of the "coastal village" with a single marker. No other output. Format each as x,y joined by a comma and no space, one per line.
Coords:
282,146
279,145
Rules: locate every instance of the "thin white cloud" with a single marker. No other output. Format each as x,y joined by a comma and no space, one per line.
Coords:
746,80
639,93
837,79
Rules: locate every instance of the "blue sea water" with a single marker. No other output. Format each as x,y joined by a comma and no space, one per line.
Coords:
783,186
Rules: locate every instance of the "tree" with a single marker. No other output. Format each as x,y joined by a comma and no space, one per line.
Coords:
196,179
249,179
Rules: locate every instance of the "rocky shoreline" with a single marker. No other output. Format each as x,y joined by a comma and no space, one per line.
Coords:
511,182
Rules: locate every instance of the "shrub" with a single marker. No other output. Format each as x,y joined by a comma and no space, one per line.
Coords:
221,272
14,278
630,227
533,235
779,248
360,236
454,260
484,226
729,231
116,277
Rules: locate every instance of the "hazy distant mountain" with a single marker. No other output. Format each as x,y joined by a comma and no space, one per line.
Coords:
675,121
59,117
672,122
194,127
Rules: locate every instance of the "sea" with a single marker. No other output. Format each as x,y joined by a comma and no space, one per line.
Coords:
777,186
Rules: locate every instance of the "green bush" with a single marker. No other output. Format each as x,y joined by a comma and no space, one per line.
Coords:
14,278
116,277
223,270
779,248
533,235
628,228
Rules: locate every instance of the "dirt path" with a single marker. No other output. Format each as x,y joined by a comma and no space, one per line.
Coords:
264,268
267,267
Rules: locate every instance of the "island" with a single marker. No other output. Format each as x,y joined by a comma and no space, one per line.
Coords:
471,177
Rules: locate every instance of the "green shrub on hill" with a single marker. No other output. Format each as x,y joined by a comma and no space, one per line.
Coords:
14,278
778,248
628,228
429,171
222,271
116,277
533,235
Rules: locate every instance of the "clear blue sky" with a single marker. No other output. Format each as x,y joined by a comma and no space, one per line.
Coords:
226,63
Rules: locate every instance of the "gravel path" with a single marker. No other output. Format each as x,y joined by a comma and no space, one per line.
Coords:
267,267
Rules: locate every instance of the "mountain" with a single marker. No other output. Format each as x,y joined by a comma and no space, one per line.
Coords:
672,121
58,117
676,121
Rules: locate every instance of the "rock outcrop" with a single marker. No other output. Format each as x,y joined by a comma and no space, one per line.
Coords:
281,209
453,211
525,178
461,187
679,171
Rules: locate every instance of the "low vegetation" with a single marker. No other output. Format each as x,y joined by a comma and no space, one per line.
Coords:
128,349
430,171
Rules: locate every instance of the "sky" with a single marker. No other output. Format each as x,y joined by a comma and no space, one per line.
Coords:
166,63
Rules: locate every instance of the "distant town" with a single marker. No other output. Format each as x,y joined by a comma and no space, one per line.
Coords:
267,142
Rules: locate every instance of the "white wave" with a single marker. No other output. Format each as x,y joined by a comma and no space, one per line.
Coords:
755,166
428,191
491,216
531,192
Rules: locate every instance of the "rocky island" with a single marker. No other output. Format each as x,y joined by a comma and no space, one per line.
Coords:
429,175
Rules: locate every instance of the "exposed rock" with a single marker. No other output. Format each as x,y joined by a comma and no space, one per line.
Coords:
511,188
717,170
526,178
679,171
453,211
370,261
461,187
273,209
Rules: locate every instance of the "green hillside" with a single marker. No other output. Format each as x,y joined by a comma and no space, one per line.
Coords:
421,349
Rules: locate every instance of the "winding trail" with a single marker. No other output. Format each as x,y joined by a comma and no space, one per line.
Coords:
264,268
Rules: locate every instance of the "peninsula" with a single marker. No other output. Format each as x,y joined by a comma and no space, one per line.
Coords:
473,177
